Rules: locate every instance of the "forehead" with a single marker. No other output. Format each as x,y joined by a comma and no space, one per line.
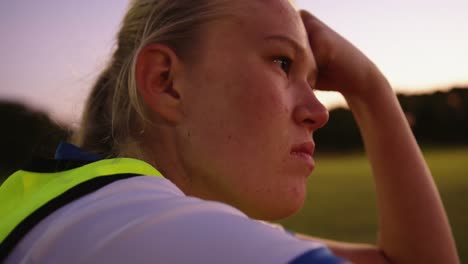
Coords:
248,25
270,17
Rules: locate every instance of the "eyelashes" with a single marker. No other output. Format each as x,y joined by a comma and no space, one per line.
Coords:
284,63
296,68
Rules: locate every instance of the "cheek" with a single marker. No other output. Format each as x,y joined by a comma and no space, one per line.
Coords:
259,102
238,135
238,117
259,115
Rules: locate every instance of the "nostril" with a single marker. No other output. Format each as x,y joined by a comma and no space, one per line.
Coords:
309,121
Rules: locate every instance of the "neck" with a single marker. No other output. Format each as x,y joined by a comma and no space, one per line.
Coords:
160,149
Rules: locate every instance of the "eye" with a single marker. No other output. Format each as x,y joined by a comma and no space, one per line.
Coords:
284,63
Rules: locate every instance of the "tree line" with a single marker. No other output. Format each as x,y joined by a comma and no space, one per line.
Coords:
438,119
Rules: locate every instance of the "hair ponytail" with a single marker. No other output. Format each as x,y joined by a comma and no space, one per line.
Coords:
114,114
96,123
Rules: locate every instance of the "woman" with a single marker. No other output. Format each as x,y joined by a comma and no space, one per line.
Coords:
218,97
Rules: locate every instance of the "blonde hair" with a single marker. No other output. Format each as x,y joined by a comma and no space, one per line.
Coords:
114,113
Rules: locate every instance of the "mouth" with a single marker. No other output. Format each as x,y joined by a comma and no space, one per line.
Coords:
304,152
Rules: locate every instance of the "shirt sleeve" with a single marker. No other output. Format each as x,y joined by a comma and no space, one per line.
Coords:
147,220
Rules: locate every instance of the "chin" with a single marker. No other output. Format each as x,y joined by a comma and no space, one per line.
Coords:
289,211
280,209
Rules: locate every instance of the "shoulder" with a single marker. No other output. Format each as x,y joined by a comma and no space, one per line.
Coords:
146,219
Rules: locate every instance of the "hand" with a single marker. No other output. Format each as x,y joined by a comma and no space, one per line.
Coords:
342,67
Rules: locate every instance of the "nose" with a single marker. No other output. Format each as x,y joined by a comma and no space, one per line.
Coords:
310,112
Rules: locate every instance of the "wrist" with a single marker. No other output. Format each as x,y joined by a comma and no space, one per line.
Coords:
376,92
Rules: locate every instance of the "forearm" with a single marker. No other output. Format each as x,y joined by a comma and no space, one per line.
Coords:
413,224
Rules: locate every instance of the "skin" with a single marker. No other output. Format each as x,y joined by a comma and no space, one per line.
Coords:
226,122
244,110
247,112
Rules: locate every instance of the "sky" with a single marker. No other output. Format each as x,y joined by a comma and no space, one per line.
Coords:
52,50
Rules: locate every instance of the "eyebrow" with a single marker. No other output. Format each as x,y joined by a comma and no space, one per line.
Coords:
297,48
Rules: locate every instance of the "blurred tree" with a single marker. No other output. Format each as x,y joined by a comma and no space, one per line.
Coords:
26,134
440,118
340,134
437,119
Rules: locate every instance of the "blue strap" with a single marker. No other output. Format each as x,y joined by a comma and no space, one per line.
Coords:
318,256
67,151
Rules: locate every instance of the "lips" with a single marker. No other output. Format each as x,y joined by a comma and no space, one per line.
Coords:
305,148
304,152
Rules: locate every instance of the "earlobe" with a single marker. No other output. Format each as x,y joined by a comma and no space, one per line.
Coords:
156,68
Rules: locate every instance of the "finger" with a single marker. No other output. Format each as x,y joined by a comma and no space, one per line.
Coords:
307,17
319,38
321,43
312,22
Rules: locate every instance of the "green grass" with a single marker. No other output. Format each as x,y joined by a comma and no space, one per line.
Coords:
341,201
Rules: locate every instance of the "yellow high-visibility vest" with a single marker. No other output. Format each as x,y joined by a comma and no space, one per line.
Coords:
30,195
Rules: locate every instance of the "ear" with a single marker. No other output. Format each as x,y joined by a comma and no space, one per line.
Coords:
155,69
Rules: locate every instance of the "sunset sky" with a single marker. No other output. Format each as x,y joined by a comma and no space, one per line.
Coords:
52,50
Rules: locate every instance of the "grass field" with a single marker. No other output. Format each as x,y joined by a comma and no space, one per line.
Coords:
341,201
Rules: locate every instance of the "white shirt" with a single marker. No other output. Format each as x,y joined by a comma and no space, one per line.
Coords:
149,220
